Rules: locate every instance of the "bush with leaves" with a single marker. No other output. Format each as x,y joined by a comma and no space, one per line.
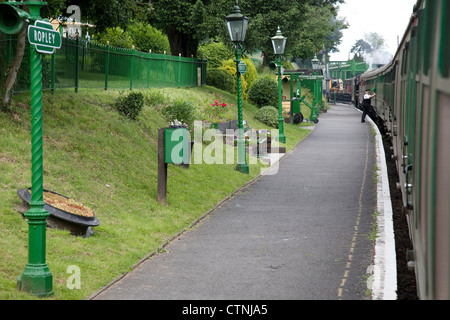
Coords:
146,37
130,105
244,86
183,111
264,92
215,53
250,75
154,97
220,78
268,115
116,36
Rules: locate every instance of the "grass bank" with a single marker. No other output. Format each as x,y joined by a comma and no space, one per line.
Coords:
100,158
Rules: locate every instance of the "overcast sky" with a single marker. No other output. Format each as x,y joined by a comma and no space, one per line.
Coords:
389,18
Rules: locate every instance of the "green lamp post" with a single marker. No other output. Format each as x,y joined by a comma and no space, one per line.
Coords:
36,278
279,44
237,28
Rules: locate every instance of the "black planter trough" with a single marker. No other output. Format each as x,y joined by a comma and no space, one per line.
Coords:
76,224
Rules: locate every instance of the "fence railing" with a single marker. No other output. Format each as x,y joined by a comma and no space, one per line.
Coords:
83,64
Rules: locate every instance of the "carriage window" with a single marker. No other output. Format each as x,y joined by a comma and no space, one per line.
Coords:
429,34
445,44
420,46
405,58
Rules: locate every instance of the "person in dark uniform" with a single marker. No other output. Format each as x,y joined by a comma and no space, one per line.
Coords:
367,106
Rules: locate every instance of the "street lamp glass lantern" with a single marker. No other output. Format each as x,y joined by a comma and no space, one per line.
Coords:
315,63
237,24
279,43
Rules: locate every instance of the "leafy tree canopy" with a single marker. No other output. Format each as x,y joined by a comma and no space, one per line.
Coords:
307,23
372,42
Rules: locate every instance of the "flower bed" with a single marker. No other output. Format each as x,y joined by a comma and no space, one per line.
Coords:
66,204
65,213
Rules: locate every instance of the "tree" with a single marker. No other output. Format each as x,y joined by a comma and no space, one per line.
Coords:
52,9
215,53
334,38
102,13
187,22
360,48
371,49
108,13
117,37
181,20
145,38
322,30
375,40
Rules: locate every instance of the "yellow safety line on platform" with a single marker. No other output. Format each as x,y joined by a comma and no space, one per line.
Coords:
355,235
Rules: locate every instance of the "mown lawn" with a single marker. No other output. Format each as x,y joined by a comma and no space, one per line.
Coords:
100,158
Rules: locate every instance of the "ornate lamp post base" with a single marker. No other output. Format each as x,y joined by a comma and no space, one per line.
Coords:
281,137
37,280
242,168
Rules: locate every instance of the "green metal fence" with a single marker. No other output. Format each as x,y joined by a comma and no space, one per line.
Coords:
83,64
346,69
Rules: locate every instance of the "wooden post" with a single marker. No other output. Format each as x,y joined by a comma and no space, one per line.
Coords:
162,168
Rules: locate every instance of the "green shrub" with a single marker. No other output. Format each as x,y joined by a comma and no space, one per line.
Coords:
146,37
232,72
116,36
154,97
268,115
181,110
215,53
249,77
264,92
252,74
220,79
287,65
130,105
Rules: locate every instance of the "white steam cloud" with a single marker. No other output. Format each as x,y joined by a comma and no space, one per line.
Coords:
376,58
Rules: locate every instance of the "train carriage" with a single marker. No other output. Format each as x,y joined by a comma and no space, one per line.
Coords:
413,106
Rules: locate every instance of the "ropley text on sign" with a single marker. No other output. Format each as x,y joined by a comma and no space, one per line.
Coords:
42,35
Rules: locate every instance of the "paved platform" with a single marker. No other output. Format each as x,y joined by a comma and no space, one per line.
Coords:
304,233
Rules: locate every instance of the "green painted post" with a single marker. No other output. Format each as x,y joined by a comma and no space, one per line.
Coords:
131,68
282,137
242,165
292,95
77,58
83,53
107,65
36,278
164,70
179,71
149,67
53,74
298,95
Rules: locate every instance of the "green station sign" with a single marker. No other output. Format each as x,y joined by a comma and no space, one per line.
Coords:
44,37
